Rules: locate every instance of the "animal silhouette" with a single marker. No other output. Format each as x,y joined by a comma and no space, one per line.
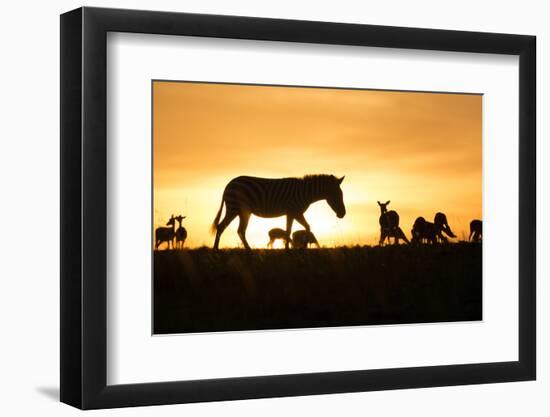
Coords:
275,234
266,197
476,230
165,234
302,238
442,226
389,225
423,231
181,233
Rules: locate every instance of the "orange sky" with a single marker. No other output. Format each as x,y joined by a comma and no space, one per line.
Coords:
422,151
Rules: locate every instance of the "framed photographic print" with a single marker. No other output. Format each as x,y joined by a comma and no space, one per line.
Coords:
258,207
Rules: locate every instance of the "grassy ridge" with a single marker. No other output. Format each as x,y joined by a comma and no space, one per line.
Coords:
202,291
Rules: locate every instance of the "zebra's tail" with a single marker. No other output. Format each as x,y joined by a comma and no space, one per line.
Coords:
214,225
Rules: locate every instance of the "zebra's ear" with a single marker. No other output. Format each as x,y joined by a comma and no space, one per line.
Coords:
341,179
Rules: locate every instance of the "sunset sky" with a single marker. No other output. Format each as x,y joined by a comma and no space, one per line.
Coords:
422,151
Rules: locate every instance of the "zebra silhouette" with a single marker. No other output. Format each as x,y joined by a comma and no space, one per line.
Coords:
266,197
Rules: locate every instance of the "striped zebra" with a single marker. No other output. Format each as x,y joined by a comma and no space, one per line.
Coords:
266,197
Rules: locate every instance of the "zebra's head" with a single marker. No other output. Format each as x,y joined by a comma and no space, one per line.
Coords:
335,197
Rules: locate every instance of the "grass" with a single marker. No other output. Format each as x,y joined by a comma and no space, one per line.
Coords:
205,291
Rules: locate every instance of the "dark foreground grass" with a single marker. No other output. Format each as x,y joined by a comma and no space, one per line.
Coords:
204,291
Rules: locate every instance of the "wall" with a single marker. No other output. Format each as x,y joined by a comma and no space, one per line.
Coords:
29,101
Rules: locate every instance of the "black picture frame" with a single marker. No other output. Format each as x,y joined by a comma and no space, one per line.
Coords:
84,207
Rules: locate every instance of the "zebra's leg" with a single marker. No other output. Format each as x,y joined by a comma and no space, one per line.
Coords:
289,220
243,224
302,220
229,216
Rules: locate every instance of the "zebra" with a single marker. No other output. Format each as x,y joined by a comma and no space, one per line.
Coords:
267,197
275,234
441,225
389,224
476,230
302,238
165,234
181,233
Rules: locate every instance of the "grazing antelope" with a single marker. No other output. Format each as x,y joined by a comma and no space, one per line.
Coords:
265,197
476,231
181,233
302,238
442,226
389,225
165,234
423,231
275,234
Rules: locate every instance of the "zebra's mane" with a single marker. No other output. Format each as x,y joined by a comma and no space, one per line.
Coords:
323,177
